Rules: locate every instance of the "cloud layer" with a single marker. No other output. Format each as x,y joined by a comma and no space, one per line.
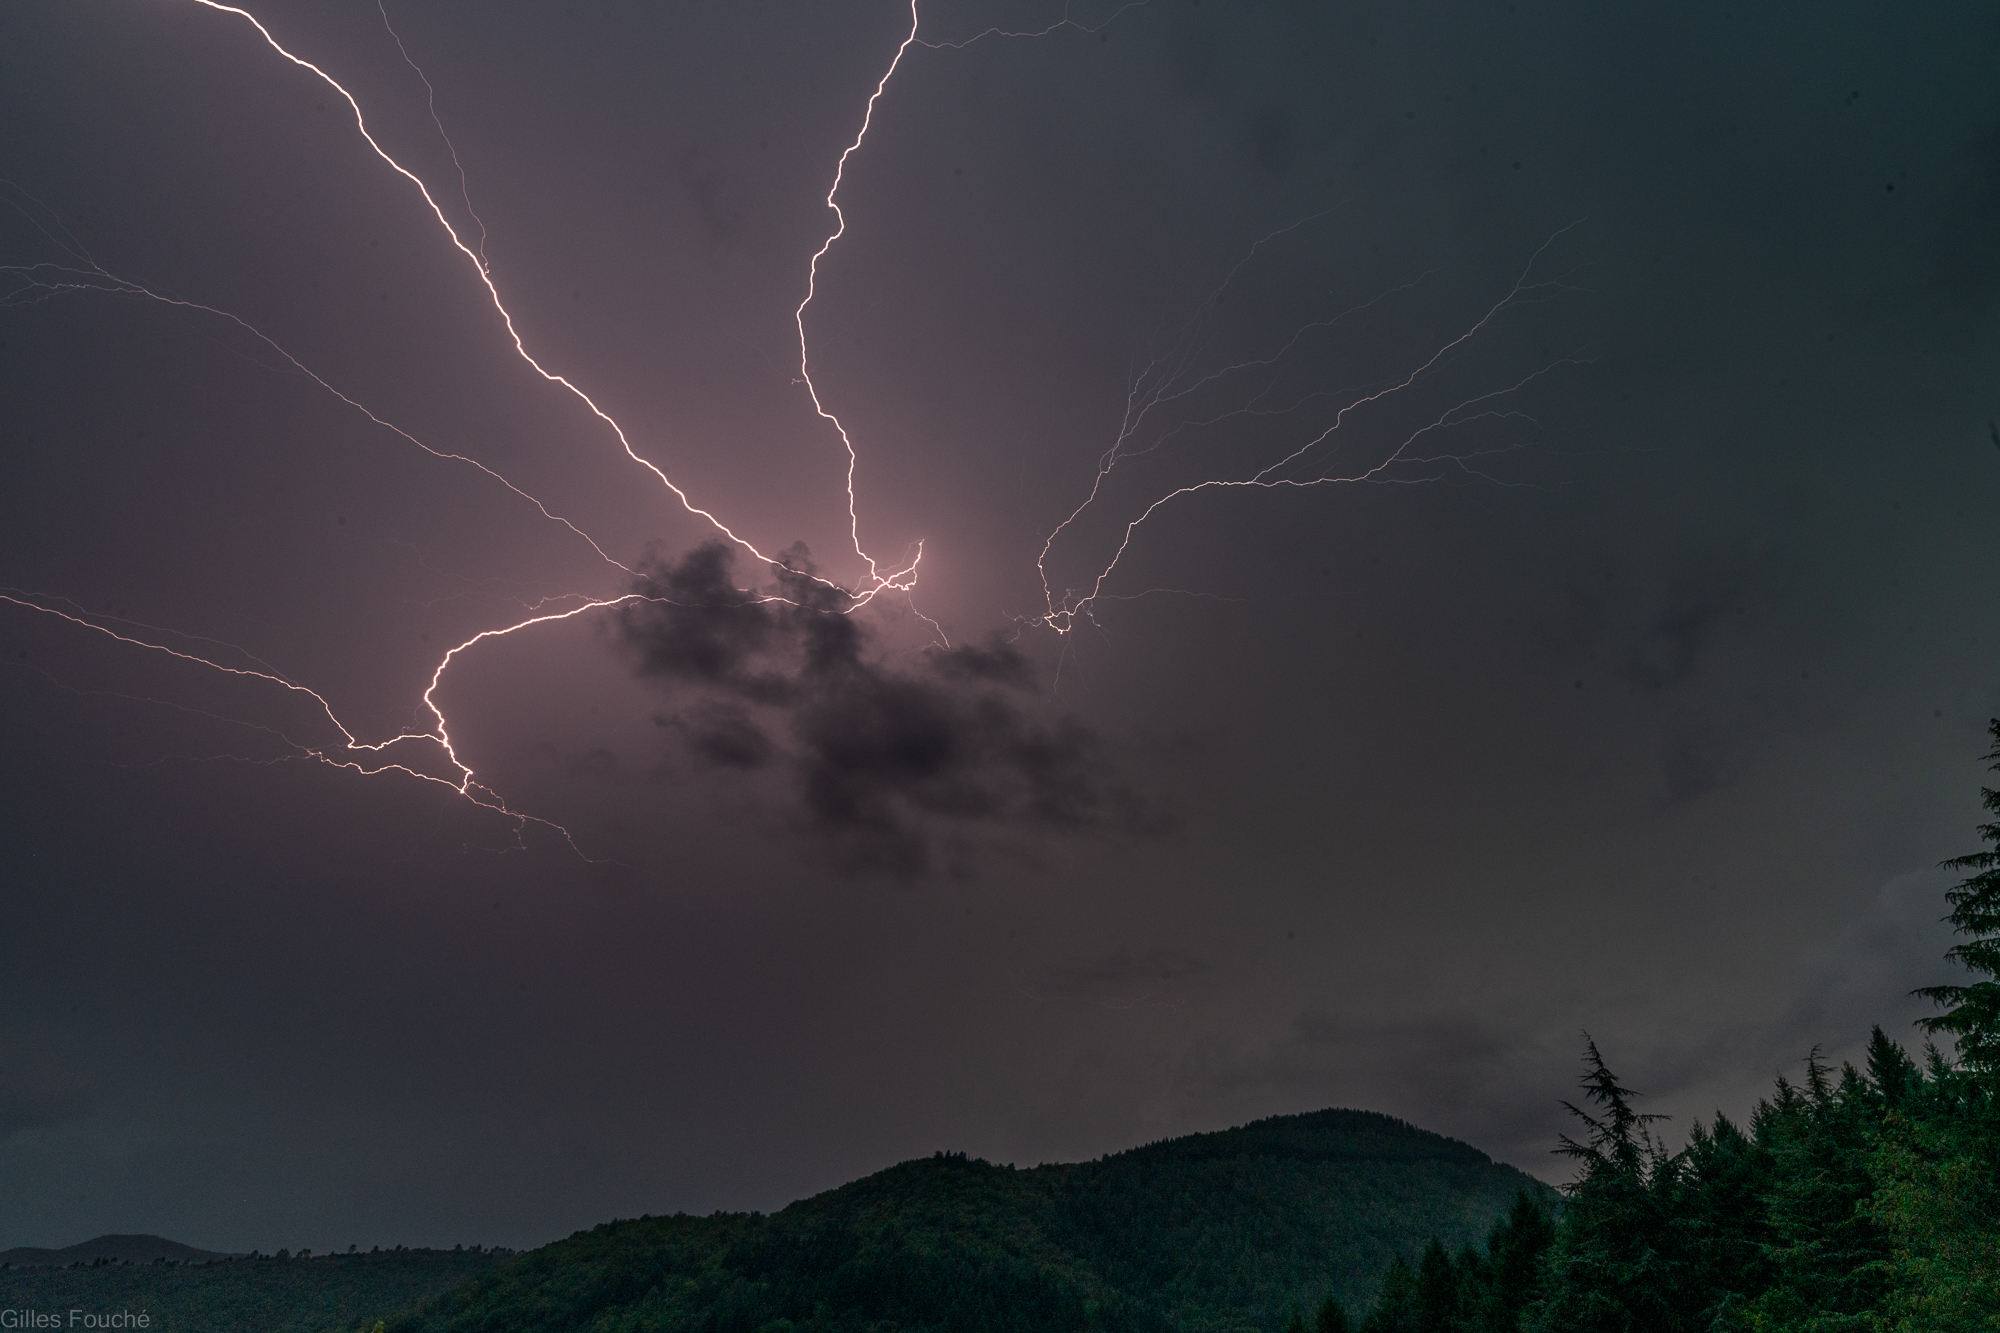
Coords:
890,767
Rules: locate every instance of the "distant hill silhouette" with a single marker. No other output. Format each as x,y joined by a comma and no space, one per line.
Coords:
112,1249
1211,1233
334,1293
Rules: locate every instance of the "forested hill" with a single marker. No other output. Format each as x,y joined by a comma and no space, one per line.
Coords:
1226,1231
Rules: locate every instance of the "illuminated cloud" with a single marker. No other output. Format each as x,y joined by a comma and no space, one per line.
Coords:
883,762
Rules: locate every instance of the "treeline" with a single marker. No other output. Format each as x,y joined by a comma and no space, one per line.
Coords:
1857,1201
1211,1233
332,1293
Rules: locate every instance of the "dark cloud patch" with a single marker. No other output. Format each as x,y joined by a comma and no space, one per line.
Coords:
1672,649
723,735
702,628
887,763
996,663
1865,974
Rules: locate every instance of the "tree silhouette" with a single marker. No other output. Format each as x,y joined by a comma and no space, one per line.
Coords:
1972,1012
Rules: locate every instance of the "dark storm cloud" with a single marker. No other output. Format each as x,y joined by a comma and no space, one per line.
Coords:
723,735
1671,650
884,761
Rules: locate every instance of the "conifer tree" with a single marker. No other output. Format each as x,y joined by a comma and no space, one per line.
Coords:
1395,1309
1937,1156
1438,1290
1612,1269
1719,1211
1938,1199
1513,1268
1972,1012
1892,1074
1332,1318
1829,1252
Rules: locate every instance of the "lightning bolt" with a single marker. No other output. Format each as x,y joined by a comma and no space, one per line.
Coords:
878,582
365,757
812,285
1154,389
34,283
1161,383
430,104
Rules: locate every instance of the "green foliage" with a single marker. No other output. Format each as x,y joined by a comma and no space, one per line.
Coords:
1939,1203
330,1294
1510,1277
1828,1255
1866,1203
1213,1233
1471,1292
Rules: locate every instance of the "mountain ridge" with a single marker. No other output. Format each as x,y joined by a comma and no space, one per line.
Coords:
1212,1232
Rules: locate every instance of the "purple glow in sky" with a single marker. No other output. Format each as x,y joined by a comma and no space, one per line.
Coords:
1322,550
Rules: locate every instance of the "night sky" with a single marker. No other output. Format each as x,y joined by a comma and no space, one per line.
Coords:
1626,671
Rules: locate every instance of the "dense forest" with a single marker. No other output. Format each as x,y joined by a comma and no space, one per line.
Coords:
1855,1201
1220,1231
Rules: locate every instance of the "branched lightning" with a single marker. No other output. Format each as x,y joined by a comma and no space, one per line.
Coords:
879,582
1152,389
354,754
431,104
28,284
812,287
39,282
1064,22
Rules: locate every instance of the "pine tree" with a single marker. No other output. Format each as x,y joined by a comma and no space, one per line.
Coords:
1892,1074
1972,1012
1441,1290
1937,1156
1938,1200
1332,1318
1514,1250
1718,1215
1611,1268
1395,1309
1830,1254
